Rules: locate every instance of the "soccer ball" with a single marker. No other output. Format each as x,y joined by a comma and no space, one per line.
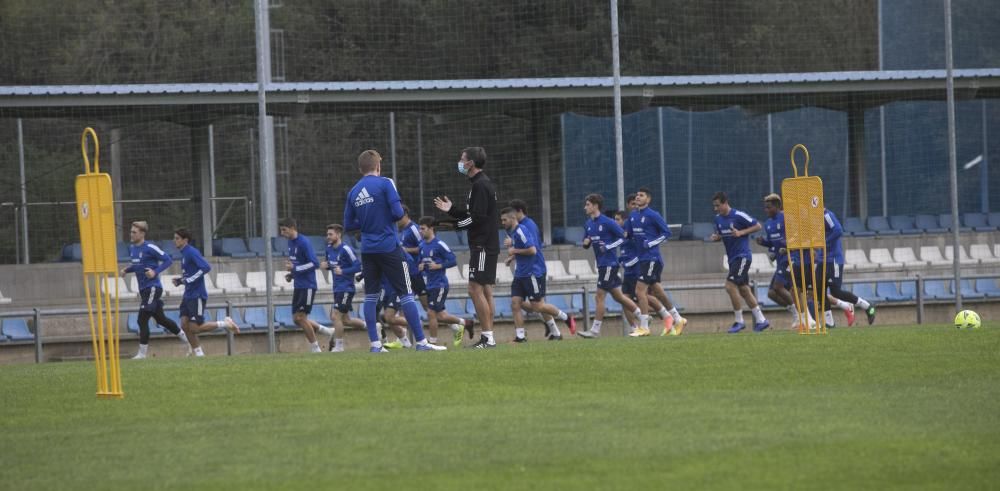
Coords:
967,319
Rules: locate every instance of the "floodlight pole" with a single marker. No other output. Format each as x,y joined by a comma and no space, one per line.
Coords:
266,147
617,94
952,158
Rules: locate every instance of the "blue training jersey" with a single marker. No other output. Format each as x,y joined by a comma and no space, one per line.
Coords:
304,262
436,251
629,259
647,229
774,239
194,268
147,256
409,237
524,265
533,228
725,225
605,238
343,255
373,206
834,232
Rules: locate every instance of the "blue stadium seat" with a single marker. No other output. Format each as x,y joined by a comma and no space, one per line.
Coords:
969,290
978,222
988,287
16,330
576,304
72,253
574,235
763,299
889,290
256,317
880,225
283,316
456,307
687,232
231,246
123,256
938,290
237,318
908,289
257,246
702,230
929,224
945,220
558,235
279,246
169,248
866,291
503,307
856,228
904,224
611,306
320,315
132,325
994,220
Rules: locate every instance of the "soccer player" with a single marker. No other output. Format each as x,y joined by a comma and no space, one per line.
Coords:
373,206
733,227
647,229
409,240
521,213
301,266
605,236
529,280
344,264
194,268
774,239
629,261
480,218
435,258
835,272
147,262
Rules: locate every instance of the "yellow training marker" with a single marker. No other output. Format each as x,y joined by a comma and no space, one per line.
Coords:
805,231
95,214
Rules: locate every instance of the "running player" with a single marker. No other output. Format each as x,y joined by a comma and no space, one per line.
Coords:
342,261
147,262
605,236
301,266
835,272
647,229
733,227
194,268
435,258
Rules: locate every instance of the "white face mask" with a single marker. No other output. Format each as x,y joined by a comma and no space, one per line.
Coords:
461,169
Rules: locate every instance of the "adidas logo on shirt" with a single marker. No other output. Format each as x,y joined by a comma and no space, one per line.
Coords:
363,198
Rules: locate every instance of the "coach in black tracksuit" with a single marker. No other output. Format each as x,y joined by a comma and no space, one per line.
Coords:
481,220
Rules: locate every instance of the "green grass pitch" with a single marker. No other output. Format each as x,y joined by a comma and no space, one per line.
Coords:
873,408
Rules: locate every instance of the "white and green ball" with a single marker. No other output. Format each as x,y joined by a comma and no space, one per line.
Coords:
967,319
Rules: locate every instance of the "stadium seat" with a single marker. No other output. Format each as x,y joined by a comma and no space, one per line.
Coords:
865,291
883,259
503,307
231,246
904,224
889,290
945,220
908,289
283,316
574,235
451,238
687,232
237,317
702,230
72,253
282,283
982,253
857,260
454,276
231,285
963,257
123,256
168,285
993,219
456,307
318,244
256,317
16,330
321,315
279,246
988,286
256,246
123,291
932,255
175,315
909,259
978,222
556,271
938,290
969,290
504,274
759,263
558,235
4,299
880,225
856,228
132,325
611,306
168,247
929,224
581,269
323,278
210,286
763,299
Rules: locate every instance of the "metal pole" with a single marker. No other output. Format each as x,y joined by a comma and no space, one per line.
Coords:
24,193
984,172
266,164
663,165
17,234
211,176
420,161
920,299
392,143
952,158
586,309
770,153
617,95
562,133
690,158
881,118
38,336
